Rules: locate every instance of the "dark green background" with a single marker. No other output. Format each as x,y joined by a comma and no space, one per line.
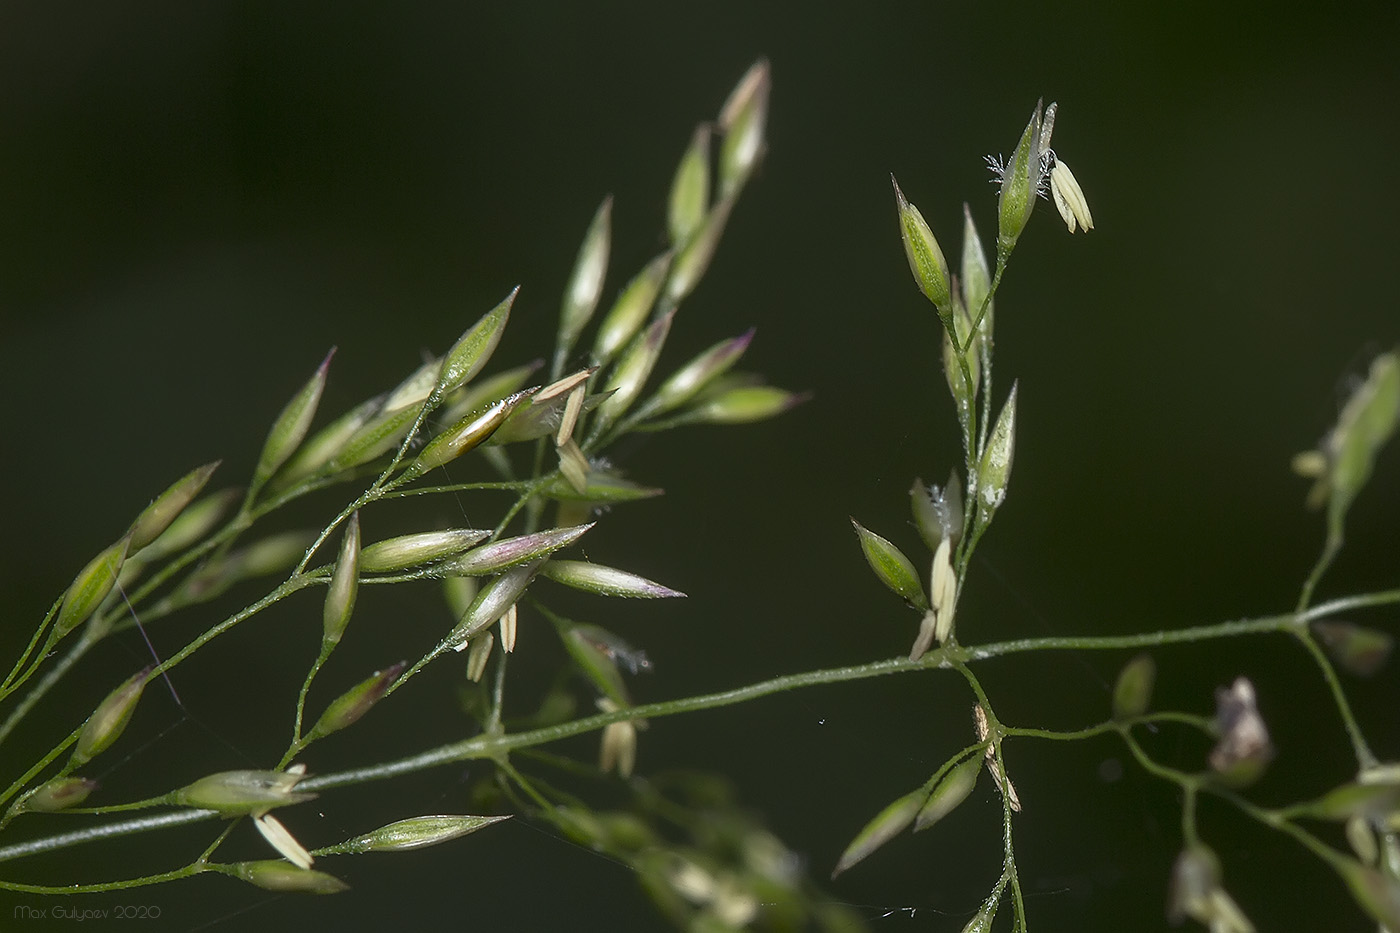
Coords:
196,200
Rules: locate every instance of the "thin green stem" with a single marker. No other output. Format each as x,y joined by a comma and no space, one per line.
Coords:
975,445
411,672
995,734
1156,639
34,769
190,870
381,487
362,500
1349,603
495,746
108,831
123,617
429,572
985,352
967,424
1108,726
993,899
492,746
296,744
1193,784
527,786
660,424
228,532
217,841
985,349
498,691
510,485
1009,857
987,301
1189,834
1151,766
1330,549
1055,735
285,589
161,801
240,523
35,663
54,675
1365,758
570,766
29,648
537,461
976,748
437,651
429,405
281,592
967,413
1275,820
531,488
970,542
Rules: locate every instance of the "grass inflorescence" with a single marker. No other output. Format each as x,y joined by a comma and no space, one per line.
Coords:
538,436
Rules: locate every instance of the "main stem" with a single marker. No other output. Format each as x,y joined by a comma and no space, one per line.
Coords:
496,745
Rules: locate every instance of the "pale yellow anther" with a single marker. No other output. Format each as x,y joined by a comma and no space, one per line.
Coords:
928,627
1310,464
565,384
619,748
733,905
1069,197
692,882
1379,774
944,628
285,781
574,465
284,842
508,627
943,590
478,656
569,420
941,580
1226,915
1362,839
